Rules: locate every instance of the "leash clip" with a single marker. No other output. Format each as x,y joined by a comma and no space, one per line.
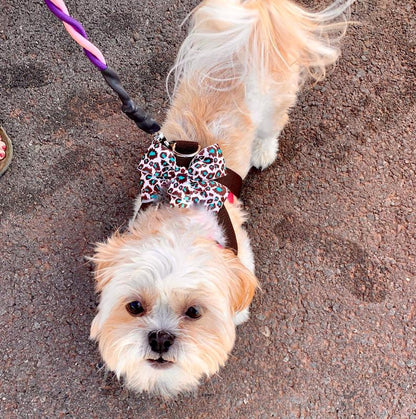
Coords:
162,139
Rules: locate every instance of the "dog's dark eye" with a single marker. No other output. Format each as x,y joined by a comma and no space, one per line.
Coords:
193,313
135,308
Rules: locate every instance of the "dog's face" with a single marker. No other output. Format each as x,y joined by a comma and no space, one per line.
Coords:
168,298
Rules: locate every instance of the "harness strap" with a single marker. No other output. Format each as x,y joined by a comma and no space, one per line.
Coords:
231,180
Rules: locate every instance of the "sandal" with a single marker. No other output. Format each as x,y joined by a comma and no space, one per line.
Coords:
6,151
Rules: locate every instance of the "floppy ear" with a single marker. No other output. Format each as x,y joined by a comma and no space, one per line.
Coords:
95,328
105,257
242,282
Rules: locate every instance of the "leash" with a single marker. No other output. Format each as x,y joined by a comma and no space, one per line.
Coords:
77,32
183,150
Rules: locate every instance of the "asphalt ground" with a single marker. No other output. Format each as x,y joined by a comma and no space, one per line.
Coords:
332,221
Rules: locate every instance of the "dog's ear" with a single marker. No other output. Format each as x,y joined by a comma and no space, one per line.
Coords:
105,257
95,328
242,282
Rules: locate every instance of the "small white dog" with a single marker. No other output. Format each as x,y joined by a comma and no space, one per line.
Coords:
175,285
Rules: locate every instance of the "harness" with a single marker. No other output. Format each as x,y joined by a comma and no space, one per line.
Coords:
184,154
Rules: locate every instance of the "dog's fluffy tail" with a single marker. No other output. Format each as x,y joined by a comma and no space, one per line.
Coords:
230,40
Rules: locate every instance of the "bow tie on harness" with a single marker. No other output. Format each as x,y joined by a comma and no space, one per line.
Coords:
183,175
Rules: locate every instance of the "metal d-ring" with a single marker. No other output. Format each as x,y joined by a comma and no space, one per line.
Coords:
173,144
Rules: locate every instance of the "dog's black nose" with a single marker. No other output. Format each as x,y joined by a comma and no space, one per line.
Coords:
160,341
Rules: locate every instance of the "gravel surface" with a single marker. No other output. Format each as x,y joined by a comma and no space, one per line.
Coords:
332,222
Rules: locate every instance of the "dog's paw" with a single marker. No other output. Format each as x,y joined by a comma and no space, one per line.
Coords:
264,152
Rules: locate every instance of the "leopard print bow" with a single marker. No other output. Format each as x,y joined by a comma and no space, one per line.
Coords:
162,179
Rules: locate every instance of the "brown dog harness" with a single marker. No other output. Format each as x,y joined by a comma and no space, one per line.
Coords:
184,152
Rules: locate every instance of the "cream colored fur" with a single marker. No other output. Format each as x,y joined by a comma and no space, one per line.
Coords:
236,77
